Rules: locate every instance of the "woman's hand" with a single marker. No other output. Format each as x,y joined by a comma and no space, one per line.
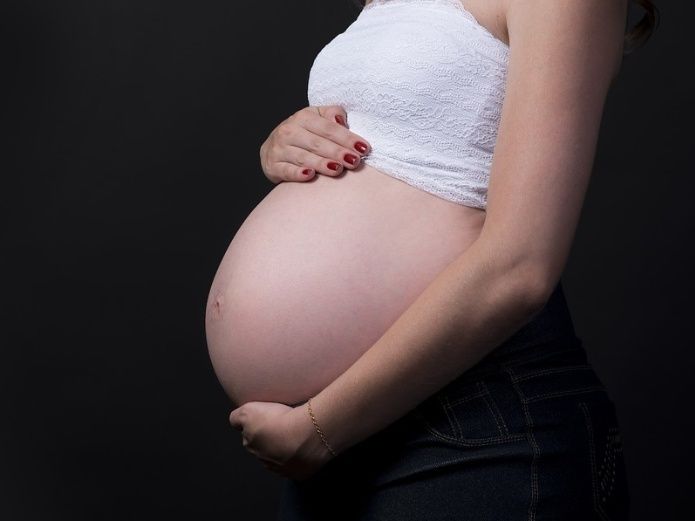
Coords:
283,438
312,140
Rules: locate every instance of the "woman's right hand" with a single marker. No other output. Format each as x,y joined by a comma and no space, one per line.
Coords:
312,140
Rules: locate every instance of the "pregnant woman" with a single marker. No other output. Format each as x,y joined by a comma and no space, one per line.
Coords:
389,320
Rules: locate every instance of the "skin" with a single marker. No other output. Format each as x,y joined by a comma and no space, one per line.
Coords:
310,138
540,173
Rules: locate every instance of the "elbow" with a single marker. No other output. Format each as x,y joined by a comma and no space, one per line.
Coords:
519,277
540,288
529,285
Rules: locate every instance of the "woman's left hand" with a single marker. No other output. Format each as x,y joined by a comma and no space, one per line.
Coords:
282,437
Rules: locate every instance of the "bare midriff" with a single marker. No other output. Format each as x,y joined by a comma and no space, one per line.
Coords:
317,272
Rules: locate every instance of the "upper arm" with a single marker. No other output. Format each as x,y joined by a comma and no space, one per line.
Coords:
563,56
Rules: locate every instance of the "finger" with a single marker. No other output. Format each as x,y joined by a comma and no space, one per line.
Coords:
316,124
292,172
335,113
337,134
326,166
235,419
281,470
300,159
327,151
269,462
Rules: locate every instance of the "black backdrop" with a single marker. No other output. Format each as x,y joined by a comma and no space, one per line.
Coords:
130,153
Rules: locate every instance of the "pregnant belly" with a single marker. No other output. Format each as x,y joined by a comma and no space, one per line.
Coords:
318,272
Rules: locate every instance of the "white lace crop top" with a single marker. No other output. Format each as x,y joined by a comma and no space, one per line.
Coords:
424,83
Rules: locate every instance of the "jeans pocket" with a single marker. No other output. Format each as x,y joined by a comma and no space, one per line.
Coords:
467,412
611,499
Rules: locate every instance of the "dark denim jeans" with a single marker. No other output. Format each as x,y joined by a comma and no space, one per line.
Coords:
528,433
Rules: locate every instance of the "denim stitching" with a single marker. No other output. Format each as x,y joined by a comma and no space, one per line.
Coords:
459,401
492,404
466,442
568,392
437,466
536,357
541,372
483,392
470,442
592,453
444,402
453,420
607,470
488,399
534,446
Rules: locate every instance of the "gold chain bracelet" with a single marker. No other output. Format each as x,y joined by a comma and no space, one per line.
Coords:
313,420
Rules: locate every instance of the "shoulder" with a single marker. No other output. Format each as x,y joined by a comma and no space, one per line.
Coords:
594,29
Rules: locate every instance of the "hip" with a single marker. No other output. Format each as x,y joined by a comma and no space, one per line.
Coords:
530,432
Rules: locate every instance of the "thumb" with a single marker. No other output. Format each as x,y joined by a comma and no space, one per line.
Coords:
335,113
235,419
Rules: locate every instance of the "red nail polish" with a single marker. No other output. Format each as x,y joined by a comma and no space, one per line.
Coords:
340,120
350,158
306,171
361,147
333,165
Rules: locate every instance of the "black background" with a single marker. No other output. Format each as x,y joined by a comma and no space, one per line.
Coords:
131,131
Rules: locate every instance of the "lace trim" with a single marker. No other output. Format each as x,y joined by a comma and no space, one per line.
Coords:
449,189
425,88
458,6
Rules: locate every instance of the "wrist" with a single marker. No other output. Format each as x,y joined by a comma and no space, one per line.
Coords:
312,445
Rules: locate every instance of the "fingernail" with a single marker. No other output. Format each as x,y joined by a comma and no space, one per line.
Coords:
340,120
306,171
350,158
361,147
333,165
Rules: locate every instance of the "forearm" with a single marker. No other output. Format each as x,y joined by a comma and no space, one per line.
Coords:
468,309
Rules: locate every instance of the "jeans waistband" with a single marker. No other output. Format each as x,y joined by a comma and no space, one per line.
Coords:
552,322
550,330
